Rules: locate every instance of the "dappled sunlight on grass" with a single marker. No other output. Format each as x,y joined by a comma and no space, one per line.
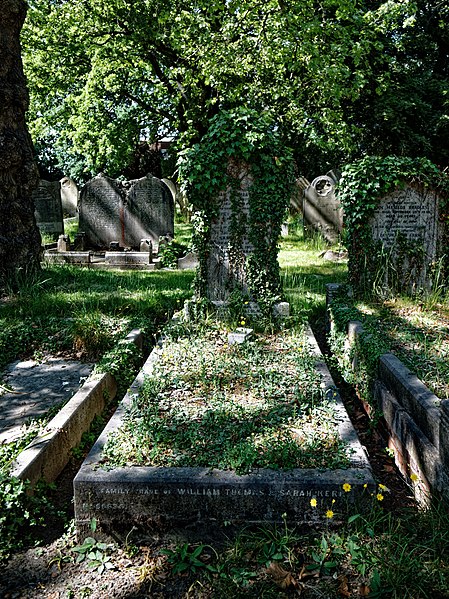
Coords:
304,274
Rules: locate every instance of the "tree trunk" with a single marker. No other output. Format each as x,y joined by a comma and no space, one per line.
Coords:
20,241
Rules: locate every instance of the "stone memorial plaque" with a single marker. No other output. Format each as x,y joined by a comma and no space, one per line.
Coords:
150,212
409,214
48,207
102,212
226,268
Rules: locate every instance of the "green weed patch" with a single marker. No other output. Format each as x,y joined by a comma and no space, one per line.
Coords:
240,407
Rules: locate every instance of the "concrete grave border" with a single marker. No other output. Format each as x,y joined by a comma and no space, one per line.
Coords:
417,420
47,455
147,498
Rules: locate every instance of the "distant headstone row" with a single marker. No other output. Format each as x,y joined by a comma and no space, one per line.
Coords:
125,211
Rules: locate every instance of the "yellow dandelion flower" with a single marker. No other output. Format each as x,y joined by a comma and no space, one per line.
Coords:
414,477
379,497
242,322
313,502
333,501
365,486
382,487
329,514
346,487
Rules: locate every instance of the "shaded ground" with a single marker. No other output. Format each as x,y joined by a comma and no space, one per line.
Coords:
29,389
50,571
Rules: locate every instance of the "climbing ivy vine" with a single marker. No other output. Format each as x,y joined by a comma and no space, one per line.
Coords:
236,141
362,185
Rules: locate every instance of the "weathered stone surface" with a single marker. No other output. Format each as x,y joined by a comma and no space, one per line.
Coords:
226,270
69,196
150,212
50,452
411,393
321,209
101,212
48,207
75,257
189,261
147,497
125,212
409,216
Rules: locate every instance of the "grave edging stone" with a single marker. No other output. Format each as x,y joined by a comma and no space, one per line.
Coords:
415,417
47,455
150,497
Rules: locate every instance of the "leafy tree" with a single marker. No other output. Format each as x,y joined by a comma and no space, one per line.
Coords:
340,77
19,236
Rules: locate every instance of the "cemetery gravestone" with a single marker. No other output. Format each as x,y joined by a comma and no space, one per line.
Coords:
69,196
150,212
125,212
48,207
226,266
321,209
101,212
407,226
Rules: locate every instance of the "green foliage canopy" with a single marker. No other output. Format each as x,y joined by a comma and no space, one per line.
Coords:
341,77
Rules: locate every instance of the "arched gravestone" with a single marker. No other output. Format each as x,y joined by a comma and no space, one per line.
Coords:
101,210
48,207
321,208
69,196
125,211
149,213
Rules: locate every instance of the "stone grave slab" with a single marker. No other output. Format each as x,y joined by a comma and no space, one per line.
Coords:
149,498
32,388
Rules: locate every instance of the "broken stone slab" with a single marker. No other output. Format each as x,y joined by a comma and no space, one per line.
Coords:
240,335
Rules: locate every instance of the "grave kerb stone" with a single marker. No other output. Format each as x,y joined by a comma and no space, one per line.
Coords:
146,497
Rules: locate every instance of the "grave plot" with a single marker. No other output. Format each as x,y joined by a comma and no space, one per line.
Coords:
211,432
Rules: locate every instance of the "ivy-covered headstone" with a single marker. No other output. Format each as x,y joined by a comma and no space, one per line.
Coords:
239,180
396,214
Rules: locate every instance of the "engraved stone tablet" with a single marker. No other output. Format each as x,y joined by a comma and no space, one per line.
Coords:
102,212
48,208
150,212
125,212
409,216
226,268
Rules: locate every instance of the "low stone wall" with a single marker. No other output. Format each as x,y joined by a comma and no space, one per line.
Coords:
417,420
148,498
48,454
